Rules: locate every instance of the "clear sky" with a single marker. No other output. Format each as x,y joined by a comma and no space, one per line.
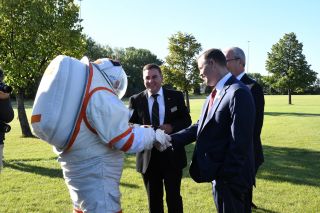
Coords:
253,25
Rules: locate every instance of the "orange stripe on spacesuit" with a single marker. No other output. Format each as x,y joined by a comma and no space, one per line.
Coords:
128,144
119,137
77,211
85,119
35,118
82,111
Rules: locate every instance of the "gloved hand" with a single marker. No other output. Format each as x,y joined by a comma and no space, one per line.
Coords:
162,140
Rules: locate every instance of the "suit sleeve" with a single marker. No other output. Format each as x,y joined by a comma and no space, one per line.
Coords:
184,137
134,118
184,119
258,97
242,115
6,110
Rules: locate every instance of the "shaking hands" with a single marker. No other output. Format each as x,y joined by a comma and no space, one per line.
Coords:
162,140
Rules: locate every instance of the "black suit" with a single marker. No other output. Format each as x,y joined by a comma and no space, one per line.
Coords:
224,149
258,97
158,167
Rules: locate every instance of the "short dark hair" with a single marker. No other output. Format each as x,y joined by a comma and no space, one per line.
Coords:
216,55
152,66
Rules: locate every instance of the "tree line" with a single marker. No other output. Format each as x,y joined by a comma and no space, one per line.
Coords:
33,32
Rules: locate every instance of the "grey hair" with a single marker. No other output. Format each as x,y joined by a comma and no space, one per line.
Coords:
238,53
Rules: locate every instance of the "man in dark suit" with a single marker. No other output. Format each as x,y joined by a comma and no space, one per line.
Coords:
171,115
6,115
223,151
236,61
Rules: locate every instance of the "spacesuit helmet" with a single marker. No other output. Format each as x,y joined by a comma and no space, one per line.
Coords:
114,74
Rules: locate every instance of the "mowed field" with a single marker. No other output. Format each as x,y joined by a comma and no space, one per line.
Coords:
288,181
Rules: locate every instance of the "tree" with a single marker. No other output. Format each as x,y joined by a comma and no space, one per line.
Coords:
288,66
95,51
180,68
133,60
32,33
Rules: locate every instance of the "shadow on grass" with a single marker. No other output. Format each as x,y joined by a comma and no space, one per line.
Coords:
262,210
283,164
297,166
291,114
24,166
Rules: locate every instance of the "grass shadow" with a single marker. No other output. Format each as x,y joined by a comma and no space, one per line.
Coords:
262,210
293,165
282,164
291,114
22,165
25,167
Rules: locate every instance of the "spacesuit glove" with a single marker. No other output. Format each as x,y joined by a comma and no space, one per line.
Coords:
162,140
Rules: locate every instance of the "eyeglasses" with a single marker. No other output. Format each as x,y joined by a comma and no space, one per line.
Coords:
232,59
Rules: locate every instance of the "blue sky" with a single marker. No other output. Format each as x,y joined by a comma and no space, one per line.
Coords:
251,25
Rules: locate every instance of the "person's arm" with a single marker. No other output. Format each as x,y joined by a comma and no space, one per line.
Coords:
134,117
243,115
109,117
184,137
6,110
258,97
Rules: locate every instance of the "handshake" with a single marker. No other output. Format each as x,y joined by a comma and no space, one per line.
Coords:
162,140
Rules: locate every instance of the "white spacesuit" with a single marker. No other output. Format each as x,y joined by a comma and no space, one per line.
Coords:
92,160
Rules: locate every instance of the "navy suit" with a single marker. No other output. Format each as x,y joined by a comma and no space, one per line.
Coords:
160,168
224,148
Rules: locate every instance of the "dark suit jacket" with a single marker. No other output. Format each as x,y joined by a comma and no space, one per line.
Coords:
6,115
223,149
258,97
176,114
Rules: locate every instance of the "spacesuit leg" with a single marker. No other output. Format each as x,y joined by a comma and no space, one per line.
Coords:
94,184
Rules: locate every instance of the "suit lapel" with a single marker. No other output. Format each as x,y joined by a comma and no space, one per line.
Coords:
145,107
167,99
213,110
203,112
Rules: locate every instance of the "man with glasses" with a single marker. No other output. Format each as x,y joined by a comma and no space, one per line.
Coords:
223,152
236,61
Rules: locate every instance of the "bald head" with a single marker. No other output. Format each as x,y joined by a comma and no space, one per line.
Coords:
236,60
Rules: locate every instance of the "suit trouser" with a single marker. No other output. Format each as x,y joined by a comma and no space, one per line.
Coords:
160,173
230,198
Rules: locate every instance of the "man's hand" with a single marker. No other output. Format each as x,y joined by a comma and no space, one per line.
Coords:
167,128
4,95
162,140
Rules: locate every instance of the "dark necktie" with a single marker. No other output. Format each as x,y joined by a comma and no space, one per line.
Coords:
155,112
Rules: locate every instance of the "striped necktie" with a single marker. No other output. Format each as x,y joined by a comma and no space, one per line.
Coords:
155,112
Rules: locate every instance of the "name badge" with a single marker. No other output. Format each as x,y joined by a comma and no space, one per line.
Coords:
173,109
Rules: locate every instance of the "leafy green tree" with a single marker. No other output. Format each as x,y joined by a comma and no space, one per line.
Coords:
133,60
95,51
288,66
180,68
32,33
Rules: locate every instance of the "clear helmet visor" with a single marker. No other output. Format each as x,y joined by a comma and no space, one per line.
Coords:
114,74
119,84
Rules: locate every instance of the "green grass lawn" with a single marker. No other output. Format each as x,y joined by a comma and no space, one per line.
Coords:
288,181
